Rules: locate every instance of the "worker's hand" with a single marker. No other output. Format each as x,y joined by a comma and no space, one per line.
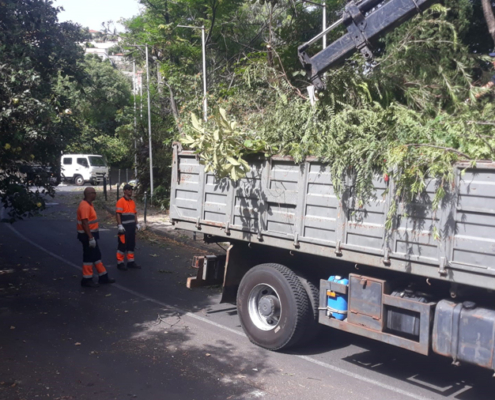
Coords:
138,227
92,242
121,229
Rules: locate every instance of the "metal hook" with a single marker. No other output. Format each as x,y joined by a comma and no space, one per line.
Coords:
356,266
428,281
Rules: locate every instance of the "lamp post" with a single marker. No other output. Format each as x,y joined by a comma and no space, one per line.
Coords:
134,88
149,116
323,35
203,46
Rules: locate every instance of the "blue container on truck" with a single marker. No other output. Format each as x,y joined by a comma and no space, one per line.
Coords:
337,302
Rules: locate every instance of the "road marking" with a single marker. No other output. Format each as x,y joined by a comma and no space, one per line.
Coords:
225,328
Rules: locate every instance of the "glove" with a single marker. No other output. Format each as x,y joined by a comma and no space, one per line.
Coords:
138,227
121,229
92,242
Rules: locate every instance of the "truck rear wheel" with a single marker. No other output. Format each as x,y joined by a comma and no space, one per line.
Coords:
313,327
79,180
273,306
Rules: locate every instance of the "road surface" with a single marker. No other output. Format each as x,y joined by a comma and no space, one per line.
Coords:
149,337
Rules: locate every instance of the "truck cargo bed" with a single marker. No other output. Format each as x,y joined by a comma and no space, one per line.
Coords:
294,207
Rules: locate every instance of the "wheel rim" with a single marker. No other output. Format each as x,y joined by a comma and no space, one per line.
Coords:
78,180
264,307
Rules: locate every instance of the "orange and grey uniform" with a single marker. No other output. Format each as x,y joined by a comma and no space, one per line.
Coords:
126,242
91,255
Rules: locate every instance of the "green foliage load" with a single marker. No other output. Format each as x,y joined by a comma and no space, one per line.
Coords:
410,116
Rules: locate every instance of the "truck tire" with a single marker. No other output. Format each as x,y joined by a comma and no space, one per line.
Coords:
313,327
78,180
273,306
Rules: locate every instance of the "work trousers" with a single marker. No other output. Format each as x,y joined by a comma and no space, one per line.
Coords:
126,243
91,256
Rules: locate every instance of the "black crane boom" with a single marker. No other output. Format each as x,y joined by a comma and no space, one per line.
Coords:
366,22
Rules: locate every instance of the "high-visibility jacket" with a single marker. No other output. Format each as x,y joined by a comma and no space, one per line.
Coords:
87,211
127,210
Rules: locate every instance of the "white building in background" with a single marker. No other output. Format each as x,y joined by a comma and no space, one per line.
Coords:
102,53
118,60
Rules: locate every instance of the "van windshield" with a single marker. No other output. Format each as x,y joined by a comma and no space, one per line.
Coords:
97,161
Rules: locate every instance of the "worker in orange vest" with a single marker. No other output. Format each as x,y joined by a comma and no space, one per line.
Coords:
126,214
88,234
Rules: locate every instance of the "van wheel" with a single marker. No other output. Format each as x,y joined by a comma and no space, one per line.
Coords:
273,306
79,180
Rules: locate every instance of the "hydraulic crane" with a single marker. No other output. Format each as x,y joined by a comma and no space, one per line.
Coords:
366,21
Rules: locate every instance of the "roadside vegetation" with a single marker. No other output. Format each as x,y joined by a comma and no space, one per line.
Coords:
410,114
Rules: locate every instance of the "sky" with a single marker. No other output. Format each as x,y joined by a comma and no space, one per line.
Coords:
91,13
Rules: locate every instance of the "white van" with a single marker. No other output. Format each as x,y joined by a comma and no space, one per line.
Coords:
81,168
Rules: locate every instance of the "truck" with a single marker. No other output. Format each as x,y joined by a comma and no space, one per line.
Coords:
300,256
83,168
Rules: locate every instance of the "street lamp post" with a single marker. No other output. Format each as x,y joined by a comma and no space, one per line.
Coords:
203,46
149,123
323,35
324,12
134,88
149,116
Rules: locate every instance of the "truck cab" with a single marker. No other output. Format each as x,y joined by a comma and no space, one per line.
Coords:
82,168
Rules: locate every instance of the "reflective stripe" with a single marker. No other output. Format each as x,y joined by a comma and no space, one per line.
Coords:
128,213
128,222
87,276
78,231
97,262
130,253
88,263
93,222
103,273
120,252
94,230
118,208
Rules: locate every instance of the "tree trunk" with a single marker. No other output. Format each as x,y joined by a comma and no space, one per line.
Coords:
489,17
173,106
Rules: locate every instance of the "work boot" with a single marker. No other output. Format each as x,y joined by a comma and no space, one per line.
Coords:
88,282
121,266
103,279
133,265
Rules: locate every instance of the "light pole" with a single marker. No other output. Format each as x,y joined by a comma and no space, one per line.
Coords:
149,123
134,88
149,116
323,35
203,46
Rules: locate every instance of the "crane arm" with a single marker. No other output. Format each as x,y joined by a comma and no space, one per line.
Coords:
366,22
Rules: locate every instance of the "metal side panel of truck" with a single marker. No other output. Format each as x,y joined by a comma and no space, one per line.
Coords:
292,209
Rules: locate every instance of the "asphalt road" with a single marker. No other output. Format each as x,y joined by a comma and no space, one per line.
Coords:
149,337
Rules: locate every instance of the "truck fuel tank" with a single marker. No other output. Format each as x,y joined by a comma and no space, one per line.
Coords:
465,333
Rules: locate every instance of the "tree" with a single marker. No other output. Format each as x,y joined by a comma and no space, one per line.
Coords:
35,116
97,107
